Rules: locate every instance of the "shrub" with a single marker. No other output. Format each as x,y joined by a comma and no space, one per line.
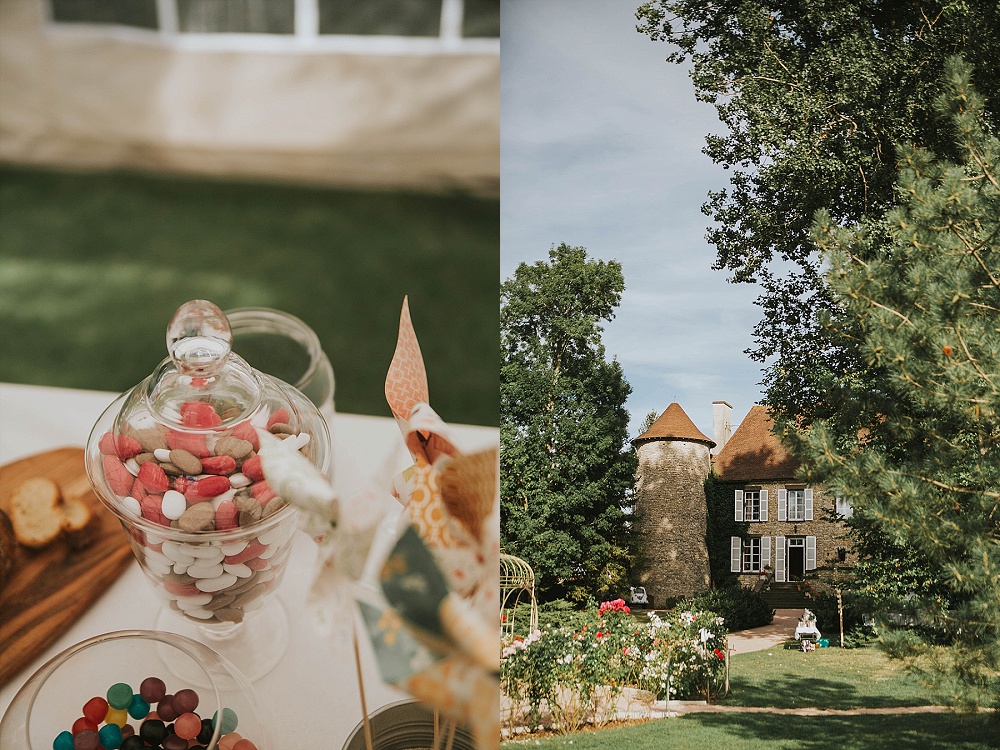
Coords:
579,672
740,607
858,636
557,613
824,605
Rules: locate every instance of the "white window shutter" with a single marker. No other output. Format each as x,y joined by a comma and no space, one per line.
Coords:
779,558
735,554
782,505
739,505
763,505
765,551
809,505
810,553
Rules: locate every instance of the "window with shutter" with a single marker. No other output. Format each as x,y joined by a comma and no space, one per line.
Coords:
782,505
739,505
844,508
779,559
765,551
735,554
809,504
763,506
751,555
796,505
810,553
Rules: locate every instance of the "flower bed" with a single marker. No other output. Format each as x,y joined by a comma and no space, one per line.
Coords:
570,676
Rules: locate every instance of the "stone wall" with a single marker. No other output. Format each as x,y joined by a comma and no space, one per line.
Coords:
829,534
670,512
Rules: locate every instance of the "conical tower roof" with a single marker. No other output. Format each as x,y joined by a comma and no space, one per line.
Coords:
674,424
754,452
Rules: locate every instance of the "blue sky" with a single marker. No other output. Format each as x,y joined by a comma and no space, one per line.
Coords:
601,147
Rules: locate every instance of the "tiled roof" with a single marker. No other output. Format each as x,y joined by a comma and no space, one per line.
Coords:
754,452
674,424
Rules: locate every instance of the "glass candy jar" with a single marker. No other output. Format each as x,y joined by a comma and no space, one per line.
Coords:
175,458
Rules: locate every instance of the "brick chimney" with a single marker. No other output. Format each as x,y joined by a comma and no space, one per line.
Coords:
722,424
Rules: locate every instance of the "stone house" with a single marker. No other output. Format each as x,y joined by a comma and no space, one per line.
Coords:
780,524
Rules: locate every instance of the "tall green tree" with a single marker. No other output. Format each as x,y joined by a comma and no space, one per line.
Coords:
813,97
565,470
922,456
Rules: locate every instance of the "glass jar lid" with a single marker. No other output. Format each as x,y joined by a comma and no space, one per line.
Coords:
187,434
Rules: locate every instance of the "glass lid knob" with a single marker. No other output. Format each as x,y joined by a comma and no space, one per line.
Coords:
199,339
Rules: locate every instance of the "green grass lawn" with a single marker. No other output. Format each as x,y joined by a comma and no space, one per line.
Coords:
776,732
826,678
92,267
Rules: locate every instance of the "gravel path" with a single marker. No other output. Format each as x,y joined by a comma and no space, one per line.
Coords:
691,707
757,639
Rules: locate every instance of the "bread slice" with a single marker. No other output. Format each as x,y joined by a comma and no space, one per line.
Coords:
7,543
78,522
35,512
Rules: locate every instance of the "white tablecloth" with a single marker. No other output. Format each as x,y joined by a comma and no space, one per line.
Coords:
312,695
809,631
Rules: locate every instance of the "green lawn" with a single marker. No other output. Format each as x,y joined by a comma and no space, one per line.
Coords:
777,732
825,678
92,267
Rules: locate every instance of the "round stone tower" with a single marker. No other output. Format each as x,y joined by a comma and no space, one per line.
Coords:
670,507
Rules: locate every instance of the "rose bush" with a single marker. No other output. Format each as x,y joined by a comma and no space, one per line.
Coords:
578,673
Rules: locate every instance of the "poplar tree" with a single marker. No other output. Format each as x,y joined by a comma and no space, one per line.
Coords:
565,470
917,449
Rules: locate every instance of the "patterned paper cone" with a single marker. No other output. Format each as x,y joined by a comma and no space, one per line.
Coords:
406,381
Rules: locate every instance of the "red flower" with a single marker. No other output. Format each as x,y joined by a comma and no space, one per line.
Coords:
600,634
618,605
721,655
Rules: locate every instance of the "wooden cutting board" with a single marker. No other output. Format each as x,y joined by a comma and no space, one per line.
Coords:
52,587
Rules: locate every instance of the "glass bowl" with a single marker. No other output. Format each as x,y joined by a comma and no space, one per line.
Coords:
54,698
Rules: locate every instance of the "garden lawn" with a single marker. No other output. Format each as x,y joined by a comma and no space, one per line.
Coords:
92,267
826,678
765,731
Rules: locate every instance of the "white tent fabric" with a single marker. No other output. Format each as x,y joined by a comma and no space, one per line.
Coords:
86,97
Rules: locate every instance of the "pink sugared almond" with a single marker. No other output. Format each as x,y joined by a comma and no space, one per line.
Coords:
153,477
199,414
226,516
209,487
123,446
119,478
139,491
252,468
223,465
280,416
262,491
246,431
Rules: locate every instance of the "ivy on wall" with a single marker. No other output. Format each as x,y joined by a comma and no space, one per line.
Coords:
721,526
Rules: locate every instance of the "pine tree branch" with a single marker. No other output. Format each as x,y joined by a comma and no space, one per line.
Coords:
873,303
960,490
972,360
974,251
